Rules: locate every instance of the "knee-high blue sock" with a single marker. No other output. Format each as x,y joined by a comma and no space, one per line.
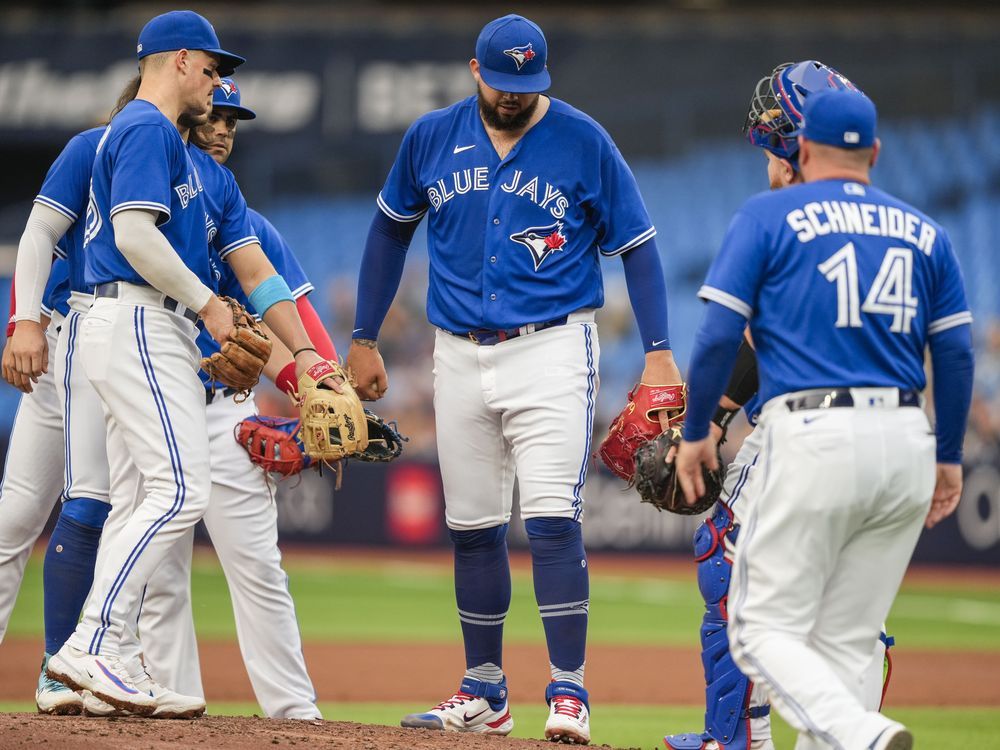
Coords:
562,590
69,566
482,592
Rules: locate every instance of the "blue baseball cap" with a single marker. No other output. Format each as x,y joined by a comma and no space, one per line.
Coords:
512,54
844,118
184,29
228,95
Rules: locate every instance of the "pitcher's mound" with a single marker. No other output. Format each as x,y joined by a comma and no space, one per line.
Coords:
234,733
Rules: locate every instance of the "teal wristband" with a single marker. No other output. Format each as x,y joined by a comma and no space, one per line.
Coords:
269,292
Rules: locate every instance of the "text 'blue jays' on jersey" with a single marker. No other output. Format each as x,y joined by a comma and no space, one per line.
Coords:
226,283
142,163
67,189
843,285
514,240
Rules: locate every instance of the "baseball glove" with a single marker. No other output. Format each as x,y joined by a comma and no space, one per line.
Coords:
240,360
656,480
638,423
334,425
384,441
274,444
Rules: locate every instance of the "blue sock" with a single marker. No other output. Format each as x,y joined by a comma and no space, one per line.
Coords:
482,592
562,590
69,566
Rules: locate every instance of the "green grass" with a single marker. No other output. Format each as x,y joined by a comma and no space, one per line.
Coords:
644,726
372,601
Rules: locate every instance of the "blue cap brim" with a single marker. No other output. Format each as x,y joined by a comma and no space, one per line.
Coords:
242,113
516,84
228,62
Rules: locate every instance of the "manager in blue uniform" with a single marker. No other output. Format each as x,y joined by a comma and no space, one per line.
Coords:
524,196
844,287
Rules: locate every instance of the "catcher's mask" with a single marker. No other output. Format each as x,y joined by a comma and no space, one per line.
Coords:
777,103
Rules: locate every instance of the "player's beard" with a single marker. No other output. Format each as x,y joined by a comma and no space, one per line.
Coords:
191,120
493,119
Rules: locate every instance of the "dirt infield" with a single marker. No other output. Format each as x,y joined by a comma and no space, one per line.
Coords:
348,672
232,733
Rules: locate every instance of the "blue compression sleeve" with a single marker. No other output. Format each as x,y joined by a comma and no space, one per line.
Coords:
647,291
952,359
381,270
716,345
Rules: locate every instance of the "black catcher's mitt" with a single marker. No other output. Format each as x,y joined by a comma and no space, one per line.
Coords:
384,441
656,480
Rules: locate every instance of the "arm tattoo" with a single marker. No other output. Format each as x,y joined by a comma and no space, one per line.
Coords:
366,343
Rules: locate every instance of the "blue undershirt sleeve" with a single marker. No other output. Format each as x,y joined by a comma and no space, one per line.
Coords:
647,291
716,345
381,270
952,361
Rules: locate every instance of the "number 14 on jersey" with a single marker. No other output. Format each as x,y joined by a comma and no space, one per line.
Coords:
891,293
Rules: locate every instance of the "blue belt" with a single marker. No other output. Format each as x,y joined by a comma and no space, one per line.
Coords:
110,289
842,397
486,337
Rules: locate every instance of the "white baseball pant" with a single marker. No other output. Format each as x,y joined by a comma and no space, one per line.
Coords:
32,478
523,406
142,360
841,499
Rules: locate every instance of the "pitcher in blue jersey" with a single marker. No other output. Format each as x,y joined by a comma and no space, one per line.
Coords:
524,196
844,287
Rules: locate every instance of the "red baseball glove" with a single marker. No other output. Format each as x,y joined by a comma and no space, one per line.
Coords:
273,444
639,422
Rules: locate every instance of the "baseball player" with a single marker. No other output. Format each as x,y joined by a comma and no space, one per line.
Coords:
524,195
737,714
843,286
241,517
152,282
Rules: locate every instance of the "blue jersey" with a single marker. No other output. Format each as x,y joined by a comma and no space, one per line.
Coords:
226,221
515,240
142,163
226,283
67,190
842,283
56,296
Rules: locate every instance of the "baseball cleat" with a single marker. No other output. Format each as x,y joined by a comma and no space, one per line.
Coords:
169,704
94,706
52,697
569,713
893,737
104,676
479,707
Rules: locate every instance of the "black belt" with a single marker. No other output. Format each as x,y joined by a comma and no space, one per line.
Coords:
842,397
110,289
226,393
486,337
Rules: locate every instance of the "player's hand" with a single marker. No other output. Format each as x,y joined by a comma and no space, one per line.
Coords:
29,351
305,359
10,373
691,456
218,319
947,493
661,369
368,370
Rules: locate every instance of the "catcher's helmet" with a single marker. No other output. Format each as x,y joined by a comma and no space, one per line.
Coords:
777,103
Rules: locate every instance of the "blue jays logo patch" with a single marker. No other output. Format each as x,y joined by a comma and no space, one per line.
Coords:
520,55
542,241
229,88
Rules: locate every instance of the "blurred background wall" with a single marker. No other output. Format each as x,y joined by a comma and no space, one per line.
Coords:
335,84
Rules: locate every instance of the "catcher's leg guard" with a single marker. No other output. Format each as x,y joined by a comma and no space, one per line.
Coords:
728,712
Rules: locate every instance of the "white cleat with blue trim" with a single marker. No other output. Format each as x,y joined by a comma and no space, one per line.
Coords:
52,697
478,707
104,676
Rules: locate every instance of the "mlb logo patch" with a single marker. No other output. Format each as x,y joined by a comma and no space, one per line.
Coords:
852,136
520,55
